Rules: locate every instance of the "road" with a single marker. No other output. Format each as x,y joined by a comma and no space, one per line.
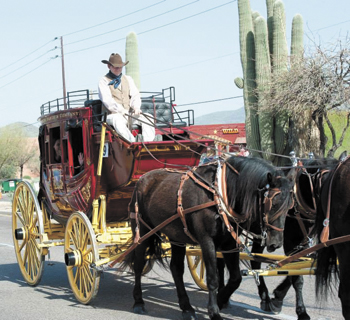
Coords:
52,298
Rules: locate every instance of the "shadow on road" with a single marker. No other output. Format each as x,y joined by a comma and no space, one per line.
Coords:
115,292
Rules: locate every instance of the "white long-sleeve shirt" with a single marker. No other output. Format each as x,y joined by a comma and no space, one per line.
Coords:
109,102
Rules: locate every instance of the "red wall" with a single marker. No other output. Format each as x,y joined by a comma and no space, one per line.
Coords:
229,132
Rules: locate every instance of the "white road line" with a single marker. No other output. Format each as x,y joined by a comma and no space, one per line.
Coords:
6,245
268,314
5,215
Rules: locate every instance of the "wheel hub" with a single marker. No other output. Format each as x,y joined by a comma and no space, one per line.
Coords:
21,234
73,258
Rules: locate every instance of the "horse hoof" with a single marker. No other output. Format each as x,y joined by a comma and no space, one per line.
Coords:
275,306
265,306
216,317
189,315
303,316
225,305
140,309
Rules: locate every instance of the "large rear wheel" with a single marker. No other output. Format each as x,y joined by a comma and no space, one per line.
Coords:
27,226
81,252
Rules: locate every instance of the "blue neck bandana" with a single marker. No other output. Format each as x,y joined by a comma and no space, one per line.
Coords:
115,79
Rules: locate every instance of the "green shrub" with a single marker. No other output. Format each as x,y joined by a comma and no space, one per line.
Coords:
338,121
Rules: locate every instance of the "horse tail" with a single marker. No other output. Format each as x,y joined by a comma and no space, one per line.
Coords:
154,249
154,252
326,271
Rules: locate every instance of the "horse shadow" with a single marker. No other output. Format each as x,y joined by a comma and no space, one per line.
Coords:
115,292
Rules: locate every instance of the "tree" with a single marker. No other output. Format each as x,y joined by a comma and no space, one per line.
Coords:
9,142
25,153
16,150
318,88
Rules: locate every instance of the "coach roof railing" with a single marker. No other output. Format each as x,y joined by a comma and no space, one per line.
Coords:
75,99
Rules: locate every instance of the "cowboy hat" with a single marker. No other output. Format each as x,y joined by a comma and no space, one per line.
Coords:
115,60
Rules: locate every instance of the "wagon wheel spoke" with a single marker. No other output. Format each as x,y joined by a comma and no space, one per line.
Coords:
27,225
197,269
20,218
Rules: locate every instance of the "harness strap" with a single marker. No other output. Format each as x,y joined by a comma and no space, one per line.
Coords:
229,226
222,192
313,249
302,226
180,210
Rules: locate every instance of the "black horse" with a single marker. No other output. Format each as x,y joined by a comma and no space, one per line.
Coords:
297,232
251,190
332,223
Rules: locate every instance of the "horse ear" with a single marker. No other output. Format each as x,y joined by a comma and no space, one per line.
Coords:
292,174
269,177
343,155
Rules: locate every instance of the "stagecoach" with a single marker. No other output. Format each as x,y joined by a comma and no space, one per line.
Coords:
84,208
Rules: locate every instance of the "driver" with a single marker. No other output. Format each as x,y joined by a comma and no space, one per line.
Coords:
119,93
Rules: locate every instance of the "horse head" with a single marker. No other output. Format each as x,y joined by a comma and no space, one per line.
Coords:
264,194
277,200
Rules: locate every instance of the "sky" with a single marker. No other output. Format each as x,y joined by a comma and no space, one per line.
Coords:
192,45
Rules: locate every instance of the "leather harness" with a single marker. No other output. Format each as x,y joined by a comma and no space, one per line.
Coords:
302,209
324,237
220,201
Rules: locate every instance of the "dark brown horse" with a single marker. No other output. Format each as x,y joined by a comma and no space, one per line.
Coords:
297,232
251,189
333,230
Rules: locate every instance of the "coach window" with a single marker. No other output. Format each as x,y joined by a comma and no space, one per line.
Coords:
55,144
76,139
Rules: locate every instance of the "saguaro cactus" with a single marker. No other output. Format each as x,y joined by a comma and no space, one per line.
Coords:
132,55
280,65
263,78
246,37
264,52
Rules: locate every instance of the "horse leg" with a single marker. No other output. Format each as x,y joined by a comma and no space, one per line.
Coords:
210,261
177,267
262,288
235,279
280,292
298,282
139,264
221,272
343,255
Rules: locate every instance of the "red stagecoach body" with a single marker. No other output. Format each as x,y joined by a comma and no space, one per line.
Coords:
66,188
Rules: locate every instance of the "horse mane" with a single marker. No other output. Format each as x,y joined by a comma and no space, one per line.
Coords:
313,165
254,174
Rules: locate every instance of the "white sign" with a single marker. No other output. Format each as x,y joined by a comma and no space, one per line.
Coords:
105,150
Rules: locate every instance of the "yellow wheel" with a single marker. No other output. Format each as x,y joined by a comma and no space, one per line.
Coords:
80,253
197,269
27,226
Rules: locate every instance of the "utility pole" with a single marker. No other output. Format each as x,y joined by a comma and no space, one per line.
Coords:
63,78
